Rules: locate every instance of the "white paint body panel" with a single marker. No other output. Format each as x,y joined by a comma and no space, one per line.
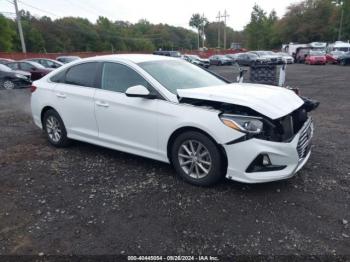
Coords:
144,126
271,101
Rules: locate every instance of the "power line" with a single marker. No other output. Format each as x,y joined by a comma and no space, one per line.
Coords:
39,9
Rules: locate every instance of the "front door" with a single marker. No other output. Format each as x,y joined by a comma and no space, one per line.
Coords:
126,123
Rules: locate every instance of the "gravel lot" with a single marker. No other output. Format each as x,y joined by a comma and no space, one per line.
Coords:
90,200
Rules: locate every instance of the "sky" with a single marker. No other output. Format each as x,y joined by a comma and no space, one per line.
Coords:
175,13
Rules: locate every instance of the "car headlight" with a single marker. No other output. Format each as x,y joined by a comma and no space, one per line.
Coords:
246,124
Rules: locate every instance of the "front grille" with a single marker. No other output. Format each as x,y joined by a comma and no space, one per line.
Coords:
304,143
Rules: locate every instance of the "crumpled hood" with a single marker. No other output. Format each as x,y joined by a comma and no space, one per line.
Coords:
271,101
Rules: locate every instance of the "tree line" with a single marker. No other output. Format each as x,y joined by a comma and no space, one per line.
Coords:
71,34
304,22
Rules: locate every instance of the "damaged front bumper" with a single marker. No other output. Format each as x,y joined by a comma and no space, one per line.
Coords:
286,159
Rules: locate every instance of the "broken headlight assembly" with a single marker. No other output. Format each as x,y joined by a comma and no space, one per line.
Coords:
246,124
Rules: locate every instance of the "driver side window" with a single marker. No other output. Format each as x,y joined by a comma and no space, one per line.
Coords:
118,78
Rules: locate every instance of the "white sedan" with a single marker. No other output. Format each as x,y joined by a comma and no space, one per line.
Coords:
172,111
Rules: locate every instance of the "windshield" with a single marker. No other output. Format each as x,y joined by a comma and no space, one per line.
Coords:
343,49
5,68
175,75
337,52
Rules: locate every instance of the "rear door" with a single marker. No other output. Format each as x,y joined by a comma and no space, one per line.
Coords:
126,123
74,100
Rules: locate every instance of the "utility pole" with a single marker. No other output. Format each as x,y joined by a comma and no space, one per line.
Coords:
226,15
341,20
219,18
18,18
203,30
340,3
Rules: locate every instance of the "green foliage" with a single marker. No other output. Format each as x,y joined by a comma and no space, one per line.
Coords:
304,22
199,22
260,32
211,35
6,34
78,34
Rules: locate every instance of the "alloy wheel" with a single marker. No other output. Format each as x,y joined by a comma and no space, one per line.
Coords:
53,129
8,84
195,159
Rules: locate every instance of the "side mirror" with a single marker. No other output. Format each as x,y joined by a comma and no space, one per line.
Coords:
139,91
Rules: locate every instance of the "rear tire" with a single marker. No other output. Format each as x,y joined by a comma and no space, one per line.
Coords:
197,159
54,129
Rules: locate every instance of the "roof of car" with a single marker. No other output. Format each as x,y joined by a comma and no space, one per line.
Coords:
135,58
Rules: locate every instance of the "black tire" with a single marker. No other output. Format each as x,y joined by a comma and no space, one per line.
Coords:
215,171
219,63
63,140
342,62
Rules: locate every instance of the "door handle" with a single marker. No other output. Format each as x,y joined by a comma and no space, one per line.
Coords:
102,104
60,95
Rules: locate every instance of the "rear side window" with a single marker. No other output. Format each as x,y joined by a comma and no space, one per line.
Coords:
118,78
26,66
60,77
82,74
13,66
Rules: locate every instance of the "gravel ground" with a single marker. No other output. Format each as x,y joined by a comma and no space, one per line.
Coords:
89,200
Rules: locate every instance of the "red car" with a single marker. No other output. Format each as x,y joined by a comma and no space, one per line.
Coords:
333,56
37,70
316,58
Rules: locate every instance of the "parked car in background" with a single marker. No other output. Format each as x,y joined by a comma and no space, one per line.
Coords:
344,59
339,46
4,61
286,58
195,59
172,111
10,79
316,58
301,54
233,57
47,63
270,56
332,57
220,60
249,59
37,70
168,53
67,59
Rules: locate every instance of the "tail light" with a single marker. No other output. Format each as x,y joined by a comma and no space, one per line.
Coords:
32,89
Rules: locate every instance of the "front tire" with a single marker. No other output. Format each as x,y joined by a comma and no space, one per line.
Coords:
197,159
54,129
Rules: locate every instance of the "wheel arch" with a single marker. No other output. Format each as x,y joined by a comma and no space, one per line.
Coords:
44,110
183,129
